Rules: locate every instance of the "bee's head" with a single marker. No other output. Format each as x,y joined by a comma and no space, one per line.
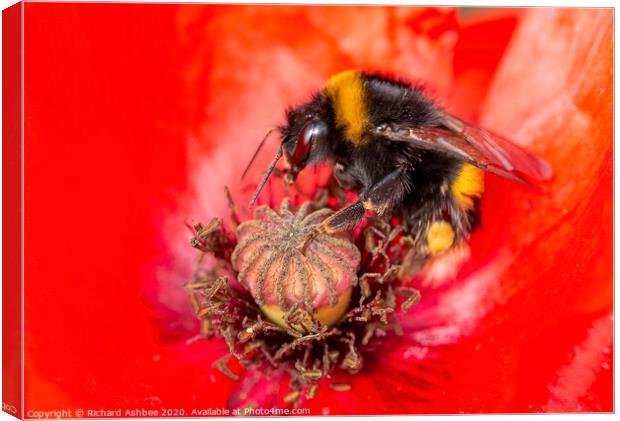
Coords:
305,136
301,143
303,139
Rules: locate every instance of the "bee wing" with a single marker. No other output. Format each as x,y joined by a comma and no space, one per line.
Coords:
475,145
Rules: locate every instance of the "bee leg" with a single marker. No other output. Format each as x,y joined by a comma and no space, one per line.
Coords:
387,192
380,197
344,219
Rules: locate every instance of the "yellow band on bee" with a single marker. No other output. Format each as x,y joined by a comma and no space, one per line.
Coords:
346,90
468,184
439,237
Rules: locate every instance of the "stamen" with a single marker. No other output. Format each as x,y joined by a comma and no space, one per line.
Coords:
340,387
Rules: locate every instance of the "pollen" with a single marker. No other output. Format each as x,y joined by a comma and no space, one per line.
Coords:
440,237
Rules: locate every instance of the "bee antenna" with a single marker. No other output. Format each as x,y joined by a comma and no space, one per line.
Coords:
266,176
260,146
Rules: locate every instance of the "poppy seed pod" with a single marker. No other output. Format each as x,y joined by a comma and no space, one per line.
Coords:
283,264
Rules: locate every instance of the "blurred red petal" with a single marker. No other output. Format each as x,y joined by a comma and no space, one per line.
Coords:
131,156
554,92
475,62
105,156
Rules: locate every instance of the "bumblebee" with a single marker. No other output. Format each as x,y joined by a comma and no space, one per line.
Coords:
388,141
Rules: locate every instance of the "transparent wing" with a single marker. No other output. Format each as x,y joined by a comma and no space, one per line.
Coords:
475,145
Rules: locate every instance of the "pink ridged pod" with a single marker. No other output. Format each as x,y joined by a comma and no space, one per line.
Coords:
282,262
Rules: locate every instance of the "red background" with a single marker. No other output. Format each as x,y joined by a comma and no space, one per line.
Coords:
112,95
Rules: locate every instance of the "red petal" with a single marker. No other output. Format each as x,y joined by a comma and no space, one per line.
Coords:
475,61
130,132
554,92
104,156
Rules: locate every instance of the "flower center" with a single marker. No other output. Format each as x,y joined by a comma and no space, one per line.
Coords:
288,299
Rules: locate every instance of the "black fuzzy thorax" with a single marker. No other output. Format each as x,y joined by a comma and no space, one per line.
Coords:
391,101
425,195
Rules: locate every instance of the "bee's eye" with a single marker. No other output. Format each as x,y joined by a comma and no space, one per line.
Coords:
311,132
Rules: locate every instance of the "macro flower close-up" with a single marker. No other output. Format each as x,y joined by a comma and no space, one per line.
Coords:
159,117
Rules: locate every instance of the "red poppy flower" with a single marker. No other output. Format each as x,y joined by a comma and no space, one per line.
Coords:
137,116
